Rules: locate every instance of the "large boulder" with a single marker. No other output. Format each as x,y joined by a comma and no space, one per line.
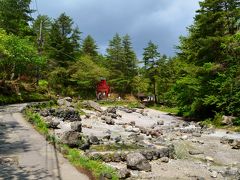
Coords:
92,105
71,138
136,161
76,126
52,122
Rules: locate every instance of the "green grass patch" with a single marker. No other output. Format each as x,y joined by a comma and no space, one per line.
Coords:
129,104
37,121
115,147
95,166
173,110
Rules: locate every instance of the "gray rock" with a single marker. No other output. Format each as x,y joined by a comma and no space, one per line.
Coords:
164,159
112,110
94,140
64,102
227,120
235,144
76,126
137,161
124,173
52,123
214,174
195,134
93,105
232,172
195,152
71,138
114,116
109,121
160,122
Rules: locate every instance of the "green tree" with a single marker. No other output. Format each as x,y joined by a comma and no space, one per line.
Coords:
64,41
18,57
89,47
130,59
211,83
15,16
151,57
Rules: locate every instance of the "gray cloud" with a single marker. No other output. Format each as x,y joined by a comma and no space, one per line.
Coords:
161,21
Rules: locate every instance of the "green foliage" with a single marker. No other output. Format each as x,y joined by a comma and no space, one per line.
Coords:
89,47
94,166
212,52
122,63
236,121
85,74
15,16
19,56
37,121
64,41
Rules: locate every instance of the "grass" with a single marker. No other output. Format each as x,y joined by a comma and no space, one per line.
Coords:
129,104
173,110
97,167
115,147
73,155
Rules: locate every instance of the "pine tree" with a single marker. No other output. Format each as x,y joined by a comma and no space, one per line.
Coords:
150,55
15,16
130,59
89,47
64,40
211,83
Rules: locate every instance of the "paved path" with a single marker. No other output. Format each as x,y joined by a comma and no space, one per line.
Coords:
25,154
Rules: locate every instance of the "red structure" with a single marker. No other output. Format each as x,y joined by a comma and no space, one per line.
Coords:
103,89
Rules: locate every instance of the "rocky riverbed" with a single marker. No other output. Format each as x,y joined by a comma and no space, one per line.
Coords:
144,143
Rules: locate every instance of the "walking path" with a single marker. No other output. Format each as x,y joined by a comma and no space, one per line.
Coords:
25,154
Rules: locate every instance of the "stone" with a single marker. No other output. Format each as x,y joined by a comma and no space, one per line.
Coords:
105,176
94,140
64,102
195,134
136,130
132,123
109,121
114,116
195,152
226,140
235,144
136,161
88,115
232,172
129,129
85,143
93,105
184,137
71,138
214,174
118,139
112,110
148,154
164,159
227,120
76,126
52,123
124,173
160,122
209,159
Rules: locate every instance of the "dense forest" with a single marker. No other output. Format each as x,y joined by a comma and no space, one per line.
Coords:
45,56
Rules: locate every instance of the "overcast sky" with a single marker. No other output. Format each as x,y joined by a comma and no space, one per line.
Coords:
161,21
